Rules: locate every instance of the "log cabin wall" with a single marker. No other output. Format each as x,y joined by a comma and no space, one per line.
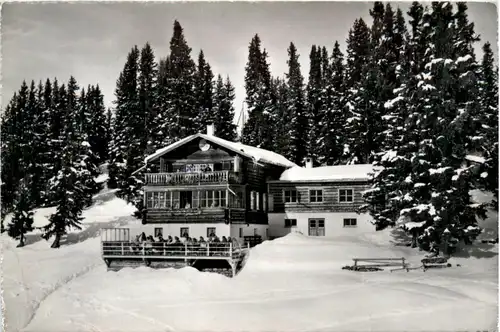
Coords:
330,196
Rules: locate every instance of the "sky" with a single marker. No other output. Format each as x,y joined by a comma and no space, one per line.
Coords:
91,40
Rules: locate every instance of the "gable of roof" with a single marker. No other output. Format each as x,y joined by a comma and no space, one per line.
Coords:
339,173
257,154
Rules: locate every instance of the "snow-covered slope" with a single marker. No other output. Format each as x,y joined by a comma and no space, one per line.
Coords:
35,271
293,283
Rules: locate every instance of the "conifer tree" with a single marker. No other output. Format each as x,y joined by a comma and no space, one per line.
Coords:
148,99
332,130
488,94
296,113
124,123
258,130
204,93
71,186
22,219
223,109
283,112
180,84
315,102
359,96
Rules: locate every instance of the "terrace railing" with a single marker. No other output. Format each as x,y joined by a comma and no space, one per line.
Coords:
191,178
162,250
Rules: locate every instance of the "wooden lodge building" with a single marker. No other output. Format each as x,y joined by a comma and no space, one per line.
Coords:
203,185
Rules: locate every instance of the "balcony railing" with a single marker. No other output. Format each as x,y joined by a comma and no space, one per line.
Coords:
191,178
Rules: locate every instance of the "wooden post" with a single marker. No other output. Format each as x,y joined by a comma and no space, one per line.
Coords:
185,249
208,249
164,253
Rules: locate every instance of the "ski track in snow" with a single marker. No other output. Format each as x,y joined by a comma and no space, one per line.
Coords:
55,288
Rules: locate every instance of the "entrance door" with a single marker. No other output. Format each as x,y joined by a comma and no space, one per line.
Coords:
316,227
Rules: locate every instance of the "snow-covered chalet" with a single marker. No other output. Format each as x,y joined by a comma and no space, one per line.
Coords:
203,185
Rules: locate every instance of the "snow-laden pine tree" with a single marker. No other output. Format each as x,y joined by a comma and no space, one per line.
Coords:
359,99
297,115
283,112
161,137
180,84
316,100
223,109
97,124
204,93
148,99
71,186
126,109
259,128
332,130
488,94
427,180
22,218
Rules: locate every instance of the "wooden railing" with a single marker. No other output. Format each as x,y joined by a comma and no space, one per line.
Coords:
190,178
163,250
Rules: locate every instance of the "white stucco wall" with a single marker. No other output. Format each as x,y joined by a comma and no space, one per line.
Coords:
248,231
334,223
195,230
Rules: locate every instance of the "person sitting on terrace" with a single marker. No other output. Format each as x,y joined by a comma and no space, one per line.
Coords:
188,206
202,240
215,239
170,240
177,240
194,241
160,238
188,240
224,240
142,237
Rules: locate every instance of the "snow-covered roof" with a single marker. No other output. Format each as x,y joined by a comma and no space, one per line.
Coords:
257,154
328,173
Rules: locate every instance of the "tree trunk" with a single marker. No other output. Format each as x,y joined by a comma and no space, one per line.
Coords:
57,241
21,242
414,242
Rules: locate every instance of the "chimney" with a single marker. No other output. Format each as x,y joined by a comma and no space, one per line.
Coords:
309,162
210,130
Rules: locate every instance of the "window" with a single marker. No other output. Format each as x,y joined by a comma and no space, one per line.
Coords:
184,231
316,227
176,200
186,199
236,201
290,196
350,222
211,231
212,198
241,232
255,231
264,202
158,232
315,196
290,222
345,195
253,204
158,200
257,200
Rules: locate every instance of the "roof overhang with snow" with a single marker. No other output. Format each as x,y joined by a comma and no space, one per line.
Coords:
343,173
256,154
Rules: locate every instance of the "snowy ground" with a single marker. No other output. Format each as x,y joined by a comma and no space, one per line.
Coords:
290,284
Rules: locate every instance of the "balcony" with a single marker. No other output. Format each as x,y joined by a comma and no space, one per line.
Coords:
191,178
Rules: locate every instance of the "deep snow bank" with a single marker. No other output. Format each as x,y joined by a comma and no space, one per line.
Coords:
31,273
290,284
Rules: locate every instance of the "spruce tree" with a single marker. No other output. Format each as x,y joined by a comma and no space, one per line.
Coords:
283,111
223,109
71,186
258,130
332,130
180,84
359,96
148,99
22,219
315,102
204,90
125,122
488,96
297,118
